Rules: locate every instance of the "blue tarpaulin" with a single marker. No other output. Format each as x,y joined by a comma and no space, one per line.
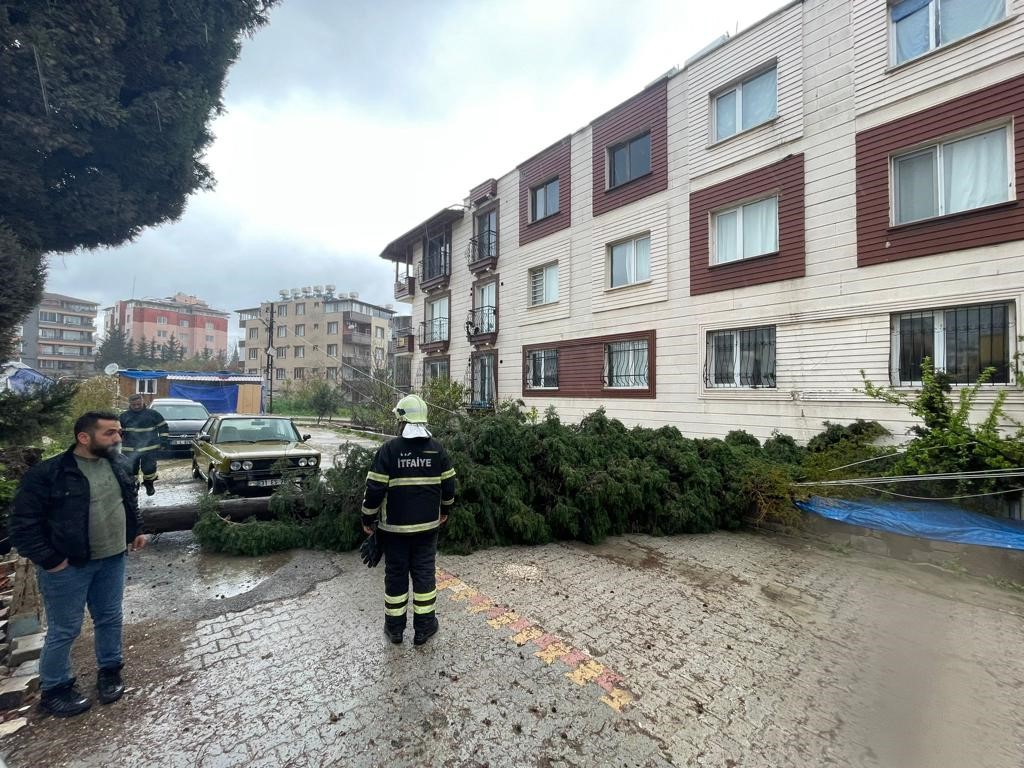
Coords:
218,398
133,374
925,519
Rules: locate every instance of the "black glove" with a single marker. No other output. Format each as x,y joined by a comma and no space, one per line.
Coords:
370,551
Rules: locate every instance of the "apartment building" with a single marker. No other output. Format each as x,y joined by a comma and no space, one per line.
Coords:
833,190
316,334
58,336
195,324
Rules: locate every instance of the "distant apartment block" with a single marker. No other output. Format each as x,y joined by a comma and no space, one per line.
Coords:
316,334
58,336
837,189
195,324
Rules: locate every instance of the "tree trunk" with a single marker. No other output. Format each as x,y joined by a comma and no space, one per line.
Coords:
181,517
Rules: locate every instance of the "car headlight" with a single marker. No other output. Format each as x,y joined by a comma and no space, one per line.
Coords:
302,462
235,466
246,465
312,461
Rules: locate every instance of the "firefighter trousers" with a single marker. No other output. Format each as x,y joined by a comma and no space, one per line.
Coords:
144,460
409,555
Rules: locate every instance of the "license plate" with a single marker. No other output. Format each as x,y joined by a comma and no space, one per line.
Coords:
186,441
265,483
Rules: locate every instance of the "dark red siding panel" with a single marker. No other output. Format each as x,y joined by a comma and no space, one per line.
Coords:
645,112
785,177
553,161
879,242
581,367
483,191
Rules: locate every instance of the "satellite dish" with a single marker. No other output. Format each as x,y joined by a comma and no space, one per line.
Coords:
110,369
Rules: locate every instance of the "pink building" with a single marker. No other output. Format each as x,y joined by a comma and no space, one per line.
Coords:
190,320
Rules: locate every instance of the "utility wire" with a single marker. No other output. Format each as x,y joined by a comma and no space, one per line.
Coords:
901,452
941,498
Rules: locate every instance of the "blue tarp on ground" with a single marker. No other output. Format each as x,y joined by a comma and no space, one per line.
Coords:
218,398
925,519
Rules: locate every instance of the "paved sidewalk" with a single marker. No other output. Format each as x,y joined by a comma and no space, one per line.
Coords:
718,650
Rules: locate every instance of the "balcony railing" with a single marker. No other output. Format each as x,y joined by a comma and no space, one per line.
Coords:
482,324
357,337
482,253
434,334
434,271
405,288
404,342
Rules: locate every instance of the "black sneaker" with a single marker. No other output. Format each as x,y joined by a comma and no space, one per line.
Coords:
424,633
150,490
110,685
65,701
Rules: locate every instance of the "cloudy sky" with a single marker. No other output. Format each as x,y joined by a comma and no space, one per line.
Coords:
350,121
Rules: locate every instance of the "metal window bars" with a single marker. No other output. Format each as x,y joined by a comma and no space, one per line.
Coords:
626,365
741,358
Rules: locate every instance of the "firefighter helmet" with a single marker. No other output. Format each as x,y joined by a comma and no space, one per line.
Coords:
412,409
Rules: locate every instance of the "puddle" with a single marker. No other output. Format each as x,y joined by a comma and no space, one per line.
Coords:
223,576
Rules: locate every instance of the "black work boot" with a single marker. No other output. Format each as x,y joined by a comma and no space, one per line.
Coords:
425,632
150,489
65,701
109,685
394,630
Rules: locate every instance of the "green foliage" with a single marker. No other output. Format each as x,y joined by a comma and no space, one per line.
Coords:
25,417
445,399
24,277
373,399
324,399
309,397
96,394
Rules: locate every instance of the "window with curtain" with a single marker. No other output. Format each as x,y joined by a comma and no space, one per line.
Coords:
544,284
746,231
751,103
741,358
952,176
629,160
919,26
484,384
630,262
544,200
542,369
962,341
626,364
485,306
436,327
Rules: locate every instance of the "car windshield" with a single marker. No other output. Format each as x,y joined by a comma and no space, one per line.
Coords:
256,430
182,412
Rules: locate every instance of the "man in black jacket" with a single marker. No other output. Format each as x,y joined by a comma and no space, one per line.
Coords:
74,516
409,489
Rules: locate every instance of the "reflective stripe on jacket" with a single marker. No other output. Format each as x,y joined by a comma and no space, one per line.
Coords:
411,480
143,430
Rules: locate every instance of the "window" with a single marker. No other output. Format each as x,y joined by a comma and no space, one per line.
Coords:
485,302
73,320
746,231
332,350
253,371
542,369
254,333
436,328
282,331
435,369
48,333
161,334
161,320
919,26
299,373
209,338
544,200
962,341
145,386
487,235
300,309
300,330
749,104
183,323
741,358
254,354
208,326
629,160
282,310
332,374
279,374
49,317
438,252
281,353
332,327
952,176
626,364
544,284
484,384
300,352
379,332
630,262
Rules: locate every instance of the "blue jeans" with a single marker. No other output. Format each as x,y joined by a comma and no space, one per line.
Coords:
99,584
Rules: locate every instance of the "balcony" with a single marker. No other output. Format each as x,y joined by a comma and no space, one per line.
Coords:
405,342
482,325
434,272
360,338
482,253
405,288
434,335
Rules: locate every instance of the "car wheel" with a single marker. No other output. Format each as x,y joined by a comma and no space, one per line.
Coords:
214,485
195,470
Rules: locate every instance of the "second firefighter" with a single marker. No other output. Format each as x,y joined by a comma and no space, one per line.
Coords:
409,489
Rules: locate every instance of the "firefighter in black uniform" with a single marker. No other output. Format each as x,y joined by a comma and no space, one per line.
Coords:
409,489
145,430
